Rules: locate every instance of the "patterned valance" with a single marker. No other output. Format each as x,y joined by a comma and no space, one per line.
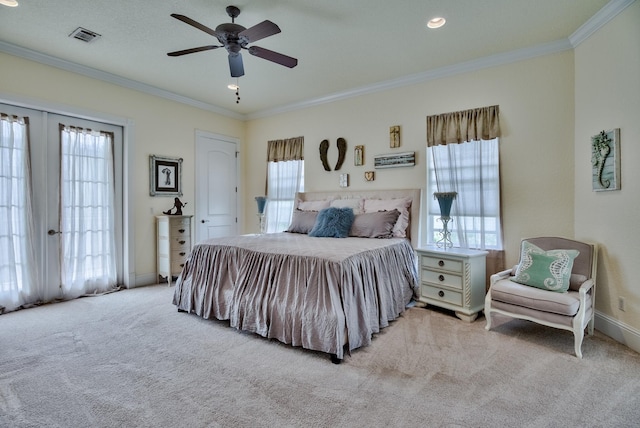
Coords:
285,150
460,126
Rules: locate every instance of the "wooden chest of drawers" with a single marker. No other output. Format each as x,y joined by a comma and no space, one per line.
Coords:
453,279
174,244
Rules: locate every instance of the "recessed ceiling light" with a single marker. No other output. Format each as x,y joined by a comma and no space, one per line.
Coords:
436,22
10,3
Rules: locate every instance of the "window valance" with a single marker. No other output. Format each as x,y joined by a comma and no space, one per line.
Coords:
285,150
460,126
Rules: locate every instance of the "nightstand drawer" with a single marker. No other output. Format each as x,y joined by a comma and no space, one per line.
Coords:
443,295
441,278
442,263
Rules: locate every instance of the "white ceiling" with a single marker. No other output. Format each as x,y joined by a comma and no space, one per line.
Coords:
343,46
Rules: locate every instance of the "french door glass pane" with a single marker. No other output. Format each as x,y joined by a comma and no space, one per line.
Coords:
87,213
16,254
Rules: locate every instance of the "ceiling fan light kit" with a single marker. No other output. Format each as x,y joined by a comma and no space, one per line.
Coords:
234,37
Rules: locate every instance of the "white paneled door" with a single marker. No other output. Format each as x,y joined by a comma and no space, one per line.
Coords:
216,212
58,168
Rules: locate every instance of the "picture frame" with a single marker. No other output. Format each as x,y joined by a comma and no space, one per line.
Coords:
605,160
344,180
394,136
358,156
394,160
165,176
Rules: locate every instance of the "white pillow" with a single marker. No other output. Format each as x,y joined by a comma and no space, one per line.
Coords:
357,205
313,205
400,204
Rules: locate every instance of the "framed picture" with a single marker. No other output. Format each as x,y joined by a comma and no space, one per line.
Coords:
394,136
605,161
344,180
165,176
394,160
358,156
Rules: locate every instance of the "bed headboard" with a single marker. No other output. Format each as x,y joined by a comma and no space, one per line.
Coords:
413,230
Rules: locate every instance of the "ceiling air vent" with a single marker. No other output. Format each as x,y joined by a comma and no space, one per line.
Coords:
84,34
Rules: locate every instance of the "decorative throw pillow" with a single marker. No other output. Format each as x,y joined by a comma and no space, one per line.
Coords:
374,225
333,223
302,221
400,204
356,204
313,205
548,270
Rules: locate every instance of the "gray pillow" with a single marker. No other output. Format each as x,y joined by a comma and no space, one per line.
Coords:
302,221
374,225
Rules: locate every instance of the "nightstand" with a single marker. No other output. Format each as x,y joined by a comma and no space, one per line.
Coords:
453,279
174,244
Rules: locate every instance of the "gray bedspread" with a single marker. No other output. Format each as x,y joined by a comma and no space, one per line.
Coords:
318,293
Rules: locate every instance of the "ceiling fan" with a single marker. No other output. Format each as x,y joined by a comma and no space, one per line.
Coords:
234,38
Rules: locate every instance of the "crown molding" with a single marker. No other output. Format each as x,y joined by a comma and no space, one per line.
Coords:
112,78
593,24
412,79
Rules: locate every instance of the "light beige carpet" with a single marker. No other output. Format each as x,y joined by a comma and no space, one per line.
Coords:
129,359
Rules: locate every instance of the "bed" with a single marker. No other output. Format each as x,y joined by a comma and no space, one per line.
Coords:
321,293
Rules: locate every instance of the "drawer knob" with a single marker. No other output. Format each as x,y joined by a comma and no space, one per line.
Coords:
441,277
441,293
182,242
182,253
441,263
182,265
181,230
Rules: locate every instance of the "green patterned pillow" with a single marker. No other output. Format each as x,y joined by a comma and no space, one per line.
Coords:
549,270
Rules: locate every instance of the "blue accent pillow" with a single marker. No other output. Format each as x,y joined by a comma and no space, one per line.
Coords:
333,223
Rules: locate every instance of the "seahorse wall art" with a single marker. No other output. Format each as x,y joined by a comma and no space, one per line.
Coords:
604,160
599,152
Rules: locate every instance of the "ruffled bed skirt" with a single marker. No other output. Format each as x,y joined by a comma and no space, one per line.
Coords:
317,293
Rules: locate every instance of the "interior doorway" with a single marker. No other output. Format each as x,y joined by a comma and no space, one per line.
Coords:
216,186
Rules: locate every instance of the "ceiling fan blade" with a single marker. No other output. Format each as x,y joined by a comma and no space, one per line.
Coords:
235,65
260,31
193,50
276,57
193,23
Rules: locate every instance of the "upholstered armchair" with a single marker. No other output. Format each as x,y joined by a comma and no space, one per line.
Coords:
553,284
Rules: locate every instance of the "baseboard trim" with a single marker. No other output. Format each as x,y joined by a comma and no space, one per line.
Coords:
618,331
146,279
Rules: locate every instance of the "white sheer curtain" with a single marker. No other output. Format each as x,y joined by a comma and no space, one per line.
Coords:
17,269
87,224
284,179
472,170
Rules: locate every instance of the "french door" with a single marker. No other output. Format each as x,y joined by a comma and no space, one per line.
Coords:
76,209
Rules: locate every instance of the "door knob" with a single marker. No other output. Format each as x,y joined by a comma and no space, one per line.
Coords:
53,232
204,221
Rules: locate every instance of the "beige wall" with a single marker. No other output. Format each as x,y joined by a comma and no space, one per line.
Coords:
536,113
607,97
161,127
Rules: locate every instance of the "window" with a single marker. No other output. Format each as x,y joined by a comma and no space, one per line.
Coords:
472,170
285,177
284,180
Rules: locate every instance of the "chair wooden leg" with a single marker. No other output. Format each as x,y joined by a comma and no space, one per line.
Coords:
487,310
578,335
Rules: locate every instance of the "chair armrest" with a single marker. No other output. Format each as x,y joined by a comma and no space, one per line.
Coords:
586,286
498,276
